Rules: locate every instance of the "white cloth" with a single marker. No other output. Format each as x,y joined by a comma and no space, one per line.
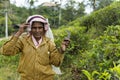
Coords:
40,18
35,42
49,34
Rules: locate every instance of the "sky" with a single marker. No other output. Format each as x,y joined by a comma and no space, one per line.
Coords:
20,3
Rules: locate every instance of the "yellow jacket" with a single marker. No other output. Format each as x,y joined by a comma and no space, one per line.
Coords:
35,63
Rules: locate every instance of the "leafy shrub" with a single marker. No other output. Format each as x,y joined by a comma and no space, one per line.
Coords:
102,18
79,41
96,61
104,51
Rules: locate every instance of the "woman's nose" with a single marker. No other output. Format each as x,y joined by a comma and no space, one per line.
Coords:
37,29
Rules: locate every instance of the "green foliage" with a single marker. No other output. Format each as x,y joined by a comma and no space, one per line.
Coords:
104,50
8,65
90,76
98,4
79,41
102,18
95,61
71,13
2,27
74,23
103,3
116,70
77,36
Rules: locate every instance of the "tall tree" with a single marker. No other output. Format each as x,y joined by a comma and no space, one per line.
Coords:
98,4
69,11
103,3
72,11
80,10
92,3
30,5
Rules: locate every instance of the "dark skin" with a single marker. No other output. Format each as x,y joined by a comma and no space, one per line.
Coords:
37,30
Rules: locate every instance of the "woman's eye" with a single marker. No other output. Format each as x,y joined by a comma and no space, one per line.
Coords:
37,27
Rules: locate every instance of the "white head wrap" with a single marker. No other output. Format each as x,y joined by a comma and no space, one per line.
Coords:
39,18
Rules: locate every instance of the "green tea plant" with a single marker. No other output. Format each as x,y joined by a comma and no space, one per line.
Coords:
8,65
104,51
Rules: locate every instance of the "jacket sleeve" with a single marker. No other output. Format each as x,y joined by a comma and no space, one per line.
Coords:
56,56
11,47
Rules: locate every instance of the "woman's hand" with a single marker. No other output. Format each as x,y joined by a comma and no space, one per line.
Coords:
65,44
21,29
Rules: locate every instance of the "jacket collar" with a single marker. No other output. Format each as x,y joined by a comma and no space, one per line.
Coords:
44,41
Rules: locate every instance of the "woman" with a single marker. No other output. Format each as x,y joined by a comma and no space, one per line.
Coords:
38,52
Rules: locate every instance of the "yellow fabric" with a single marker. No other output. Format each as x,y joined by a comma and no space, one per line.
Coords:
35,63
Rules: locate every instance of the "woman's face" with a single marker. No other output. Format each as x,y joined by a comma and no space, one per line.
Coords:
37,30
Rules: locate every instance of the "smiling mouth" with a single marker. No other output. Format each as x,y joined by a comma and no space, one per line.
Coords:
38,35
